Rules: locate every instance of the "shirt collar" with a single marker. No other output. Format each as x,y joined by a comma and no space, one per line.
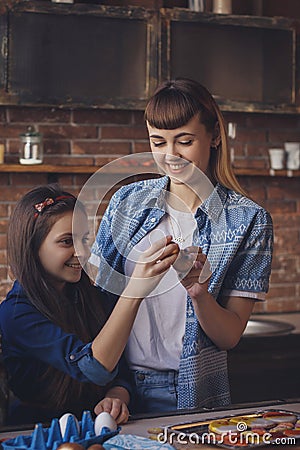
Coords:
213,205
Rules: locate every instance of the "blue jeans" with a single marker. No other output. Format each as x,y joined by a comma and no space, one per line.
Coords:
154,391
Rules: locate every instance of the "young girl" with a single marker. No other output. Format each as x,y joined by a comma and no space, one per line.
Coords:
59,349
177,347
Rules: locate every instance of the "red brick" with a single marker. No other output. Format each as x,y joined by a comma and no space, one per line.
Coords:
282,290
139,147
3,225
38,115
28,179
98,148
62,160
138,118
277,137
259,150
286,221
13,193
269,121
57,147
286,189
250,135
11,131
3,257
69,131
99,116
2,114
3,243
101,161
3,210
283,207
4,180
250,163
134,132
5,287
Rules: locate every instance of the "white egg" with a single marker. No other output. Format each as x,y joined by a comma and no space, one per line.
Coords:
104,419
63,421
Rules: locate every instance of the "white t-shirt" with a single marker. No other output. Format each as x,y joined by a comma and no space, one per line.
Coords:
156,338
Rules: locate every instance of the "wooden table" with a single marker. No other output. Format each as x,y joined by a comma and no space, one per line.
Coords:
141,426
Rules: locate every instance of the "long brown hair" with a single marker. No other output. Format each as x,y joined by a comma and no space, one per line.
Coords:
77,311
175,103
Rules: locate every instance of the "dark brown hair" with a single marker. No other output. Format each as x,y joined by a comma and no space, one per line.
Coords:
77,311
175,103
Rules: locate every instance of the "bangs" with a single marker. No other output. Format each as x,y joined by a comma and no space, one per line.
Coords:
170,109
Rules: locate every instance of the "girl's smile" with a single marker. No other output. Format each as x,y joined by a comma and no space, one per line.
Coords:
65,250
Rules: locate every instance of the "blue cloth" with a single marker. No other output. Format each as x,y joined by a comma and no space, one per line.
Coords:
234,232
31,343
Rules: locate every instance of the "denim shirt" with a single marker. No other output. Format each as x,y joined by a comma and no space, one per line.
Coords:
234,232
31,343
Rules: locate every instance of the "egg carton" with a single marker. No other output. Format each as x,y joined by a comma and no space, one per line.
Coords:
51,438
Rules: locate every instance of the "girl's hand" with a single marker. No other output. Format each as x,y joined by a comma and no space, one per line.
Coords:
193,270
115,407
151,267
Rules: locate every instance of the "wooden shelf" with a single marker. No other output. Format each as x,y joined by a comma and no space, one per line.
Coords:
56,169
267,172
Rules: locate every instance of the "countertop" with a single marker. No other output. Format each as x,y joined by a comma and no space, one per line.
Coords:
140,427
292,318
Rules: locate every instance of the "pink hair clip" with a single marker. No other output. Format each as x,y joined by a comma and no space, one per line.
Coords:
40,206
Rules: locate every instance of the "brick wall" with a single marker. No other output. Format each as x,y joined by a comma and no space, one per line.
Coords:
93,137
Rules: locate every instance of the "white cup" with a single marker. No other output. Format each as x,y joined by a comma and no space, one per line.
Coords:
222,7
293,155
276,158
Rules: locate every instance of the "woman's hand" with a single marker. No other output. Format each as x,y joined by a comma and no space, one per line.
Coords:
193,270
151,267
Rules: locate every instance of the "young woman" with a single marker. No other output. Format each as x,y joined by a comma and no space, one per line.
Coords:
59,349
177,347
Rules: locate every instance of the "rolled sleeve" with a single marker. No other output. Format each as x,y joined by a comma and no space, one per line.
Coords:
27,334
91,368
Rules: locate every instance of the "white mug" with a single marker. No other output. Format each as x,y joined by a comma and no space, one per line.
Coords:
276,158
293,155
222,7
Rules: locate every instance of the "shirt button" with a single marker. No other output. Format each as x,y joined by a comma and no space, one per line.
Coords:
152,219
140,376
72,357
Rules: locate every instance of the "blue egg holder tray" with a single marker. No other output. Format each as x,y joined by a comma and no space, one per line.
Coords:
51,438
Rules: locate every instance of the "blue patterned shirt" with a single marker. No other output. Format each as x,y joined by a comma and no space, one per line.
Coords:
235,233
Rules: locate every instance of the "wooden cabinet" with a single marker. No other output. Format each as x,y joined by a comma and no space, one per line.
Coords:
84,55
248,63
78,55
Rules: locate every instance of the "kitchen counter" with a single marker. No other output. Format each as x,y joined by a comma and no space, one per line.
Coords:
142,425
292,318
266,366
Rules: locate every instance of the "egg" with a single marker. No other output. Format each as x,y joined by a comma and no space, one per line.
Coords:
104,419
63,421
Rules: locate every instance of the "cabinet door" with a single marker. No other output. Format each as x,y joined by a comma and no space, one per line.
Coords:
240,60
80,55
